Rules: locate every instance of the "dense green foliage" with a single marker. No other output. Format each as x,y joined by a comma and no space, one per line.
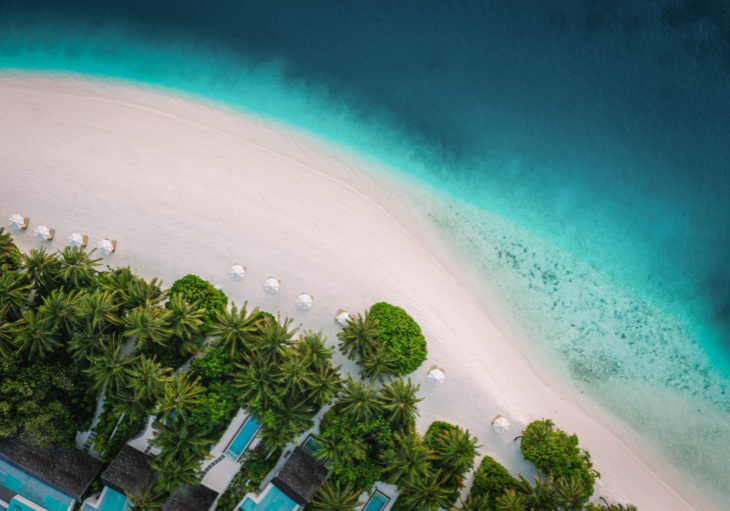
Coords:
44,402
402,335
491,480
385,341
220,403
556,453
123,428
256,463
203,294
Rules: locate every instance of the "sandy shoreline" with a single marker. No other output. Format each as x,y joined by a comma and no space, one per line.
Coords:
186,188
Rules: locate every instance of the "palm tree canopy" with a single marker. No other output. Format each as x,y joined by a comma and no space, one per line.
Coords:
110,369
42,269
408,461
180,394
236,331
333,496
275,339
76,268
148,324
457,449
33,336
358,400
60,310
359,335
399,399
184,319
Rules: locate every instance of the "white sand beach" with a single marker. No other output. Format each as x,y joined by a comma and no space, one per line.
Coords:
189,188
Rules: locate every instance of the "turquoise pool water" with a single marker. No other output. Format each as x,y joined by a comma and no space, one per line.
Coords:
113,501
33,489
378,502
243,438
274,500
311,446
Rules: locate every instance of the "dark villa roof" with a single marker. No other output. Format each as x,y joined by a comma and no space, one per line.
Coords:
70,472
129,472
195,498
300,476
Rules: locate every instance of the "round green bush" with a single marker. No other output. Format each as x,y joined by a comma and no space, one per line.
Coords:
402,335
491,479
210,299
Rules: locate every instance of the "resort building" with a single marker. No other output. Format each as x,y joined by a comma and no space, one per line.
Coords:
33,479
293,486
130,474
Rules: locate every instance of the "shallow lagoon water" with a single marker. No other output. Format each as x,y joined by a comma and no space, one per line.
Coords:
579,152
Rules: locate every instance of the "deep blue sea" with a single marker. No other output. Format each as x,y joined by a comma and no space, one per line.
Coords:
582,147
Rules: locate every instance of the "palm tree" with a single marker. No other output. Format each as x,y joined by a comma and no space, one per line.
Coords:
540,433
332,496
457,450
236,331
337,452
133,404
184,319
42,269
617,507
175,440
75,268
152,499
7,336
180,394
9,253
572,493
33,336
148,377
149,324
408,461
311,347
274,339
139,293
399,399
323,385
98,311
15,291
59,311
359,335
538,497
359,401
178,473
378,362
86,344
473,503
259,384
292,373
511,501
110,369
427,494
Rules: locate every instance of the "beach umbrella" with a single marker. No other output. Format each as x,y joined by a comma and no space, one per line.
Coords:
304,302
17,222
271,286
342,317
237,272
42,233
106,246
500,424
436,377
76,240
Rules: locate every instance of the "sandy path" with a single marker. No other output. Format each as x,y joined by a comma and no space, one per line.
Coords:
186,188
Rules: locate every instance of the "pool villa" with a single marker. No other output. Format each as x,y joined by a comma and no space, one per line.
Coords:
293,486
33,479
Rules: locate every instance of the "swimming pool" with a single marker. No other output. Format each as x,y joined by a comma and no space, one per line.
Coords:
243,438
33,489
377,502
274,500
310,446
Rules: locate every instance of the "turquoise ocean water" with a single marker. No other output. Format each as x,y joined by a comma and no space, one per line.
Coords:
580,151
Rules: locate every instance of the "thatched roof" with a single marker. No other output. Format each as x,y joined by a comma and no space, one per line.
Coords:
300,476
130,472
70,472
194,498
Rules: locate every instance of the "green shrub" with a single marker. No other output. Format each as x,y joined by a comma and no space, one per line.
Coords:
213,366
435,430
104,443
402,336
491,479
210,299
555,452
